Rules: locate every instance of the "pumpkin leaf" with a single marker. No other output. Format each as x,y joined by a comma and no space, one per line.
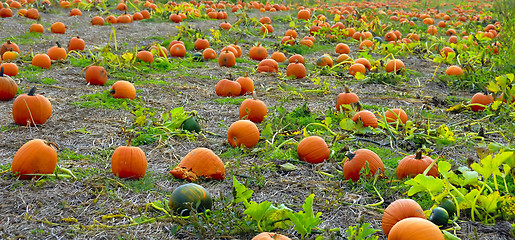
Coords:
359,76
493,87
240,192
143,219
347,124
306,220
423,183
489,202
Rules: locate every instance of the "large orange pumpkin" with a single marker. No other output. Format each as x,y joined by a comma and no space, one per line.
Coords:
57,52
412,165
227,88
366,117
129,162
123,89
96,75
243,133
35,157
200,163
253,109
398,210
394,114
246,83
296,69
346,98
313,149
355,162
480,98
31,109
415,228
258,52
268,65
226,58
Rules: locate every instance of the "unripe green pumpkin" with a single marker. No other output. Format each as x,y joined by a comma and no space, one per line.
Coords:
449,206
439,216
191,125
190,196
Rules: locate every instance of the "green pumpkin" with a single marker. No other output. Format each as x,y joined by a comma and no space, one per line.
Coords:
191,125
190,196
449,206
439,216
198,57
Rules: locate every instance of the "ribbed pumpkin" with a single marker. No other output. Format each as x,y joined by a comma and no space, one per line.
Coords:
35,157
296,58
8,86
11,69
129,162
96,75
227,88
325,60
268,65
246,83
201,44
270,236
200,163
9,46
31,109
296,69
253,109
480,98
278,57
355,161
346,98
398,210
415,164
394,114
123,89
415,228
258,52
226,58
145,56
190,196
243,133
313,149
366,117
42,61
395,66
56,52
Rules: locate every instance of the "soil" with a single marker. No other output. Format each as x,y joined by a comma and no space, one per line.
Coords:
99,206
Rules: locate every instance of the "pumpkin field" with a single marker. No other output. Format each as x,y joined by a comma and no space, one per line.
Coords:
232,119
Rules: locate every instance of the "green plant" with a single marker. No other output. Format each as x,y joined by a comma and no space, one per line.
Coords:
305,221
361,232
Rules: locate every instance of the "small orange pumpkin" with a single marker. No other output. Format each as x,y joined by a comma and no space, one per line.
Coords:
296,58
366,117
9,46
76,44
31,109
356,161
35,157
97,20
10,69
145,56
270,236
123,89
177,50
394,114
412,165
398,210
227,88
209,53
36,27
313,149
96,75
357,67
226,58
395,66
454,70
346,98
200,163
201,44
253,109
268,65
246,83
57,52
258,52
58,27
243,133
296,69
42,61
278,57
480,98
129,162
325,60
8,86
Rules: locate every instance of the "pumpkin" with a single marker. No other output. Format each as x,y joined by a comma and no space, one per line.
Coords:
357,67
268,65
96,75
75,12
36,27
365,62
209,53
304,14
366,117
97,20
480,98
390,36
291,32
58,27
227,88
129,162
398,210
31,109
306,42
439,216
325,60
454,70
137,16
111,19
258,52
412,165
243,133
296,69
124,18
288,40
396,114
190,196
278,57
266,28
6,12
395,66
35,157
415,228
253,109
177,50
226,58
175,18
344,58
346,98
41,60
121,6
225,26
355,162
237,48
246,83
159,50
10,55
445,51
270,236
191,125
201,44
11,69
123,89
231,49
200,163
296,58
265,20
313,149
76,44
145,56
9,46
8,86
56,52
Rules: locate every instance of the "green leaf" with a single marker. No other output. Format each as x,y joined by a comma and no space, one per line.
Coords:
258,210
241,193
449,236
489,202
143,219
267,132
444,167
470,178
422,183
347,124
359,76
493,87
305,221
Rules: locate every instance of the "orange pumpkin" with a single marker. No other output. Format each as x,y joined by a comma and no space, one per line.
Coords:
325,60
253,109
258,52
357,67
227,88
412,165
9,46
268,65
296,69
270,236
304,14
366,117
394,114
129,162
415,228
246,83
145,56
56,52
200,163
8,86
313,149
296,58
76,44
395,66
97,20
454,70
398,210
226,58
58,27
10,69
480,98
243,133
346,98
355,162
209,53
278,57
201,44
42,61
123,89
31,109
36,27
35,157
96,75
177,50
32,13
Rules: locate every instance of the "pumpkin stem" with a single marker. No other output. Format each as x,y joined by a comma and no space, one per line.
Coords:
32,91
350,155
58,44
1,71
246,74
254,95
129,141
52,144
111,91
418,155
346,89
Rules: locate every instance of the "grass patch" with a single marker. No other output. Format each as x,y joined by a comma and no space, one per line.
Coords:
228,100
104,100
27,38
